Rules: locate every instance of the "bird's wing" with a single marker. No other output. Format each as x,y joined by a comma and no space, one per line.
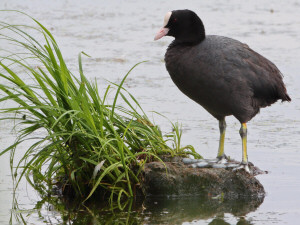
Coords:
262,77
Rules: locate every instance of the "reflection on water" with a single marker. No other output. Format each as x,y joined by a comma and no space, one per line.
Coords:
177,211
148,211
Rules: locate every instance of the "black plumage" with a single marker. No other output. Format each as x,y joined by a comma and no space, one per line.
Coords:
223,75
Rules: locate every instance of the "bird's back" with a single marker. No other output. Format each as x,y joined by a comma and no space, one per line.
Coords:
225,76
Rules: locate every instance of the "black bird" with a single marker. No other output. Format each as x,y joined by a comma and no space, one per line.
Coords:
223,75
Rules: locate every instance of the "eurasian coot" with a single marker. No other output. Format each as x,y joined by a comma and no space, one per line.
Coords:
223,75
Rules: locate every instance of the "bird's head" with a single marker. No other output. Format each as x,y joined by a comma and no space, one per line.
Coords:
184,25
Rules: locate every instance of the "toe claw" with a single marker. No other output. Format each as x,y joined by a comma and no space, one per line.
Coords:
244,166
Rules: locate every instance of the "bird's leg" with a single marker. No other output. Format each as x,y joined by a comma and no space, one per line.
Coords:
243,133
221,156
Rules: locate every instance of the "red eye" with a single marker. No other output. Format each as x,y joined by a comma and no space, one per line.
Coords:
175,20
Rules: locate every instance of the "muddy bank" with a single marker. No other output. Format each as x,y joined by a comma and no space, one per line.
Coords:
177,179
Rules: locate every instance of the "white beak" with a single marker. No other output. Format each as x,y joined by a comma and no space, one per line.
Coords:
162,32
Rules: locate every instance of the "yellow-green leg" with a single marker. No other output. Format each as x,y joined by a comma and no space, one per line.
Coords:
243,133
222,127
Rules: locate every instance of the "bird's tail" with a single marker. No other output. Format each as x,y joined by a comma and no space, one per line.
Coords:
286,97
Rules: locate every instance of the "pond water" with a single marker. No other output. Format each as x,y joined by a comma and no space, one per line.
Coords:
117,35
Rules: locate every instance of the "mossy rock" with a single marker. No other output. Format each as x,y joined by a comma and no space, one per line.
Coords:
174,178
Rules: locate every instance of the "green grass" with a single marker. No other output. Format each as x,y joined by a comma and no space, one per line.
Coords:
77,137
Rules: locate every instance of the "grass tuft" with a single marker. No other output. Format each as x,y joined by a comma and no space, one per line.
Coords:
77,139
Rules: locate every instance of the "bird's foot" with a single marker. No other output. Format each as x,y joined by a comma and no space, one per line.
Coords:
222,159
244,166
219,162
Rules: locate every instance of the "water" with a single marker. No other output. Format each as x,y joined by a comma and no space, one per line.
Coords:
118,34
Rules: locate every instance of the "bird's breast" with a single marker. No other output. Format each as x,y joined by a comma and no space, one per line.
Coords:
191,82
192,74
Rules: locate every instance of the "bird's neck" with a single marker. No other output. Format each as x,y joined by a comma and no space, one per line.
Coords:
192,37
190,42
